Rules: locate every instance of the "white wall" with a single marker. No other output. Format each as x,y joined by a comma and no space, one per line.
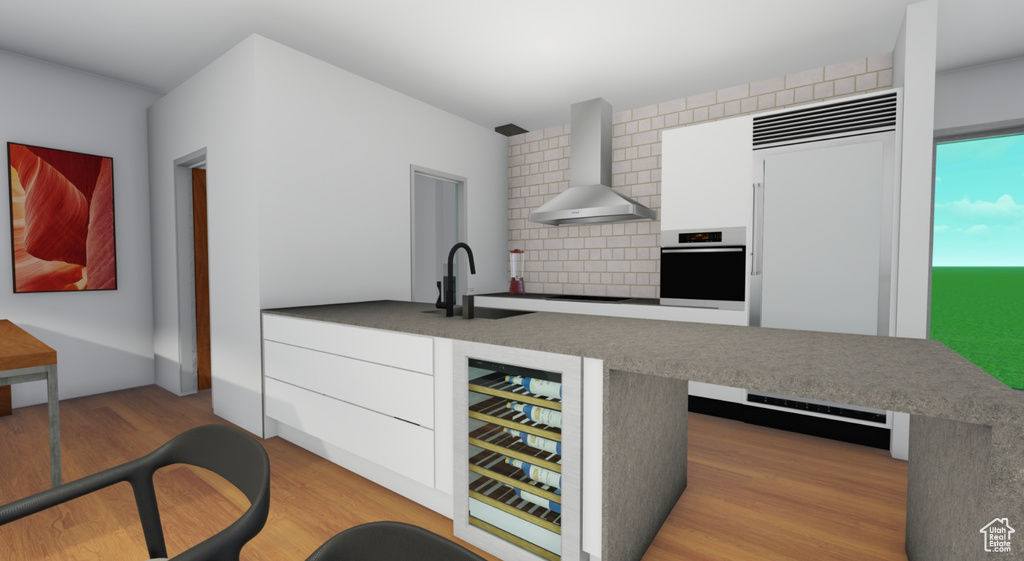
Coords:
979,98
103,339
335,195
308,188
213,110
914,71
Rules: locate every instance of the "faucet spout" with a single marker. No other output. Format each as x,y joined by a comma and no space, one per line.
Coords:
449,292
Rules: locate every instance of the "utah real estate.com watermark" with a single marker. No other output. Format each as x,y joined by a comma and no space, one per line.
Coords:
997,535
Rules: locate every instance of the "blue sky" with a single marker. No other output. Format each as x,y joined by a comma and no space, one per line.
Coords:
979,203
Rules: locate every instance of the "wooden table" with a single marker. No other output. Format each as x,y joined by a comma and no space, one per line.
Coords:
23,358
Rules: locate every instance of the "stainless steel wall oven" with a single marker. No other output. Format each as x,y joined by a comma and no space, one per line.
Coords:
704,268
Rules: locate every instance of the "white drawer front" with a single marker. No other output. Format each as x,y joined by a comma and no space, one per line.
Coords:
392,391
396,445
401,350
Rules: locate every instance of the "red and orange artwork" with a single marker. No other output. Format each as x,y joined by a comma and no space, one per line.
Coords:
62,220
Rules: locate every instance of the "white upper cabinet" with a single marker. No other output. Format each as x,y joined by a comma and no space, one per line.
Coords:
706,175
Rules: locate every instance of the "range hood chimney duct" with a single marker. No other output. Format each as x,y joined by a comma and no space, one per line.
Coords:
589,198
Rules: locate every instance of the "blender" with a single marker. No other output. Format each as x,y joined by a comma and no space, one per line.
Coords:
516,259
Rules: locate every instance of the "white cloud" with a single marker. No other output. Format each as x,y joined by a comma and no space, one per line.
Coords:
942,228
978,229
966,212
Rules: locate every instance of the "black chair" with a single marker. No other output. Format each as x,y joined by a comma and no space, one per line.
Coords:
391,541
224,450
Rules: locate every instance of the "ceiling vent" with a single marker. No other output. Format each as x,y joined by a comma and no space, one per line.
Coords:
862,115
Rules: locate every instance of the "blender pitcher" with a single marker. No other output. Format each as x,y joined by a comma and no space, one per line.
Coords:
516,259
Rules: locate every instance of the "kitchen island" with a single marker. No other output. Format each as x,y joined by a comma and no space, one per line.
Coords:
966,438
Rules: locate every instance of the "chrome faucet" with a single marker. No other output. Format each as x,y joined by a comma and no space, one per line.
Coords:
449,281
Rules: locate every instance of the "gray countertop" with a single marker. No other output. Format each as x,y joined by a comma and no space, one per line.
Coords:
910,375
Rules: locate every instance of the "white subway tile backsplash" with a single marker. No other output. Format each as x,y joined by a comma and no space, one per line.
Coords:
885,78
639,164
846,69
784,98
646,137
619,241
880,62
554,131
645,112
642,292
824,90
673,106
867,81
767,86
623,259
595,289
804,93
805,78
701,100
845,86
733,93
617,289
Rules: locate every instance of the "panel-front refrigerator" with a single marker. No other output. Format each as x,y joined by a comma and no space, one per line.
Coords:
823,235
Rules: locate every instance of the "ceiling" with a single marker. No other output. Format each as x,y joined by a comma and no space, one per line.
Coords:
522,62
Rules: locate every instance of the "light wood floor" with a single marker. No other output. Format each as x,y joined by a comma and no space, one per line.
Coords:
753,493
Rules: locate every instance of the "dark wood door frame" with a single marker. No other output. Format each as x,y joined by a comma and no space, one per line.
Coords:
202,278
5,401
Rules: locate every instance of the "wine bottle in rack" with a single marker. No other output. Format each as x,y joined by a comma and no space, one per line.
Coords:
545,388
539,501
538,474
541,415
534,441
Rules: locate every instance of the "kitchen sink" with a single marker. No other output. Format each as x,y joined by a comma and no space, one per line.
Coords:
482,313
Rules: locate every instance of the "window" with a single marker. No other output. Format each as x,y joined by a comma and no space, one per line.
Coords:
978,253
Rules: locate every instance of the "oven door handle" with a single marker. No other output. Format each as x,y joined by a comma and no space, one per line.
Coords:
701,249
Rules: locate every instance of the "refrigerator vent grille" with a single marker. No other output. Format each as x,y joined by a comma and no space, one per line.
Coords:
846,118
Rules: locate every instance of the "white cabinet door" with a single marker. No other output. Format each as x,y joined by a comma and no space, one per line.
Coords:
706,175
392,391
401,350
402,447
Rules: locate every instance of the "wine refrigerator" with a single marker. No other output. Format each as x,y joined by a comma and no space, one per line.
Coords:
518,460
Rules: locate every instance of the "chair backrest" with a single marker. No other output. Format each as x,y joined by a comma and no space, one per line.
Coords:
226,451
231,454
391,541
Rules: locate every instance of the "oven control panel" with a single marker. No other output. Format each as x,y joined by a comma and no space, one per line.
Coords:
700,237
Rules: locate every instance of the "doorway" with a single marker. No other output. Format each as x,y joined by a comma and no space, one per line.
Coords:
978,252
191,217
437,223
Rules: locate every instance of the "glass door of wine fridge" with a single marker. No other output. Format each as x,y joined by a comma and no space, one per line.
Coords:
518,453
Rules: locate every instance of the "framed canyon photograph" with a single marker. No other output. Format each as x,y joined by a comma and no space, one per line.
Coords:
62,220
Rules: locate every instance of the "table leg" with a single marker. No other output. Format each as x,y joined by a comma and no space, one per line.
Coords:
54,408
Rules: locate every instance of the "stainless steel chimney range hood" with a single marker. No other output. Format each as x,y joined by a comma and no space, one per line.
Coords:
589,199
